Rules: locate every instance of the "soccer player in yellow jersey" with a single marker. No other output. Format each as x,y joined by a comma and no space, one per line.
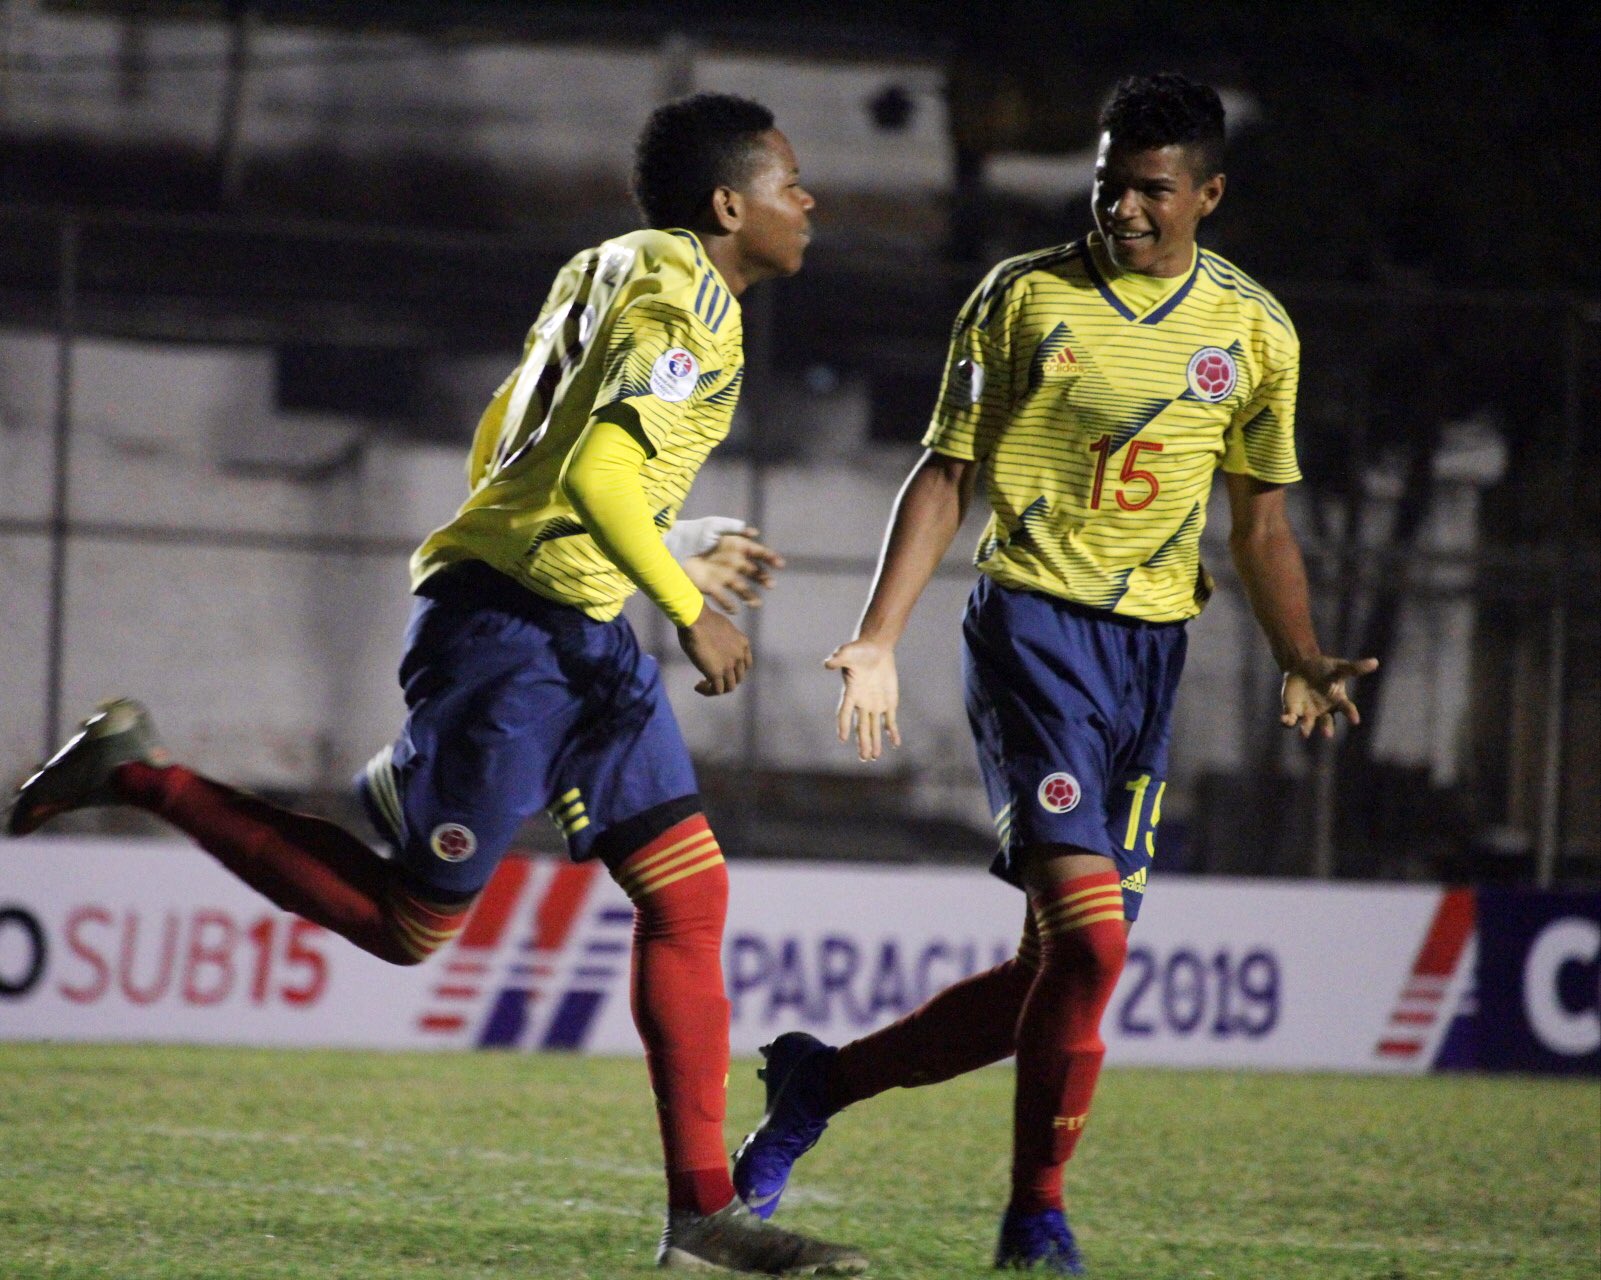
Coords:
1092,390
525,689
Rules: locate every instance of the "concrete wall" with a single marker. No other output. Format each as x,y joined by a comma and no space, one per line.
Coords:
275,666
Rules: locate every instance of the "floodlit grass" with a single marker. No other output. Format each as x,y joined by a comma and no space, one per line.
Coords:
136,1162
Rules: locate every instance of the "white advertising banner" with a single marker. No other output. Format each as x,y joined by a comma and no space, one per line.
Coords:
152,940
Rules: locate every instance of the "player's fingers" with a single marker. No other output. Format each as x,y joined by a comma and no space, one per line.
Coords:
866,722
724,601
892,728
874,743
1340,701
1326,723
844,714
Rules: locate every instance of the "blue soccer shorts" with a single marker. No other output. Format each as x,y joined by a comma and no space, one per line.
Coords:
1071,710
517,704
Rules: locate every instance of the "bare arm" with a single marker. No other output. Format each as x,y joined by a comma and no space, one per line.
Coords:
927,514
1268,559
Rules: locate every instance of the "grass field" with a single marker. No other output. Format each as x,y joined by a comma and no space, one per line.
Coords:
136,1162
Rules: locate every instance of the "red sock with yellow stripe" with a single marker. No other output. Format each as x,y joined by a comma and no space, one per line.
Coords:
970,1024
302,863
679,887
1083,944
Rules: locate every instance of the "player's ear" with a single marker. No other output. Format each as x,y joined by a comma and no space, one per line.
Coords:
1212,193
728,208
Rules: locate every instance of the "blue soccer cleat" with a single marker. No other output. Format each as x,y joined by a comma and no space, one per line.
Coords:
1038,1240
797,1113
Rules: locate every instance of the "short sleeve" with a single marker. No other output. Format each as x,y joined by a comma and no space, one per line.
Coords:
660,360
1260,441
975,397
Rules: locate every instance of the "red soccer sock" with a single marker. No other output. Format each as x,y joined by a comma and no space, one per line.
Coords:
303,864
679,887
1083,943
970,1024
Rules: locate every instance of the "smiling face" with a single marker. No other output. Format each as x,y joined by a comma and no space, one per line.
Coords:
1148,205
768,214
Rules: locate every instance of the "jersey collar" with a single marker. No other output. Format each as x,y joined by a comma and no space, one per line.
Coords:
702,259
1139,305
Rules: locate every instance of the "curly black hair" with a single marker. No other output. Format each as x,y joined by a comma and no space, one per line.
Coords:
690,147
1165,110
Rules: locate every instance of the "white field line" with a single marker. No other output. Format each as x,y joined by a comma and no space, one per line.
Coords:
1520,1252
395,1147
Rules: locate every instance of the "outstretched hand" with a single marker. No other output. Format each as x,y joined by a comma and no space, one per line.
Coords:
734,568
871,694
1314,693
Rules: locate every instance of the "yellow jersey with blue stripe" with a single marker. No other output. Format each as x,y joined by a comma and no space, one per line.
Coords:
644,320
1100,404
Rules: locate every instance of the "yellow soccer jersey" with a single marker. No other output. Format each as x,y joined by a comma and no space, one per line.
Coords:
1100,404
643,320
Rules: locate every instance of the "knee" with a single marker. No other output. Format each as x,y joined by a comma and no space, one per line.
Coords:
1106,951
415,928
1097,953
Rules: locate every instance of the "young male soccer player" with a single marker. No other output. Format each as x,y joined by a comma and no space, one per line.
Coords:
1097,386
525,690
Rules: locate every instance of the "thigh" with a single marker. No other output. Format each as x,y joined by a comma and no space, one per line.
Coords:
1041,702
490,702
1139,779
626,759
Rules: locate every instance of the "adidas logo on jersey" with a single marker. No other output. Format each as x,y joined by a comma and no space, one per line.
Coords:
1135,883
1064,364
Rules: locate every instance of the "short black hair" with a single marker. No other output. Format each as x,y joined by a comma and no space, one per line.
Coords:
1167,110
690,147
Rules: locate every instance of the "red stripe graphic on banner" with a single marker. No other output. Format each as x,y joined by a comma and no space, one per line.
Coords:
1453,925
558,909
1436,963
486,926
495,905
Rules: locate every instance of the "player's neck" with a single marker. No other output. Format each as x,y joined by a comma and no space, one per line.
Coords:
737,270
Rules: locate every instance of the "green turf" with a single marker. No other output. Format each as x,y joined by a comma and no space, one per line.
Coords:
135,1162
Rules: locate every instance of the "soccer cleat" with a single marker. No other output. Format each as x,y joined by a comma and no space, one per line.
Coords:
735,1239
1038,1240
79,775
797,1114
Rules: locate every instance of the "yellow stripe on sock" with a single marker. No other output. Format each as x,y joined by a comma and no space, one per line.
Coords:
637,882
637,870
1114,913
421,940
663,881
1060,916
